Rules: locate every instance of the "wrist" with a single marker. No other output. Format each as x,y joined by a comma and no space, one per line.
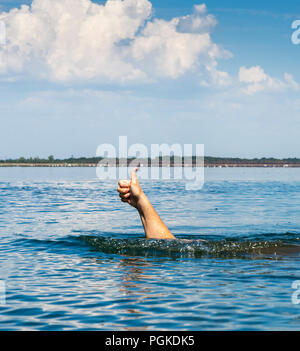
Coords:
142,202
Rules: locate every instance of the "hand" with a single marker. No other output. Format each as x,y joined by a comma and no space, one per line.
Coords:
130,191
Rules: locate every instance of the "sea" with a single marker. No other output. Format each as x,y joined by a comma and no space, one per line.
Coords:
74,257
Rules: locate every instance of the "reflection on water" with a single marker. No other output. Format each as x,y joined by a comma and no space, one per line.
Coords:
132,269
73,257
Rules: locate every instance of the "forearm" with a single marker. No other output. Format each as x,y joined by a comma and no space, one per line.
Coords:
153,225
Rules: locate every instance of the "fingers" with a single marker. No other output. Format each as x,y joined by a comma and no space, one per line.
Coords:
127,183
123,190
124,193
134,176
124,183
125,196
125,187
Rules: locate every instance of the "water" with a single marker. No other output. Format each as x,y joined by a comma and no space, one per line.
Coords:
73,257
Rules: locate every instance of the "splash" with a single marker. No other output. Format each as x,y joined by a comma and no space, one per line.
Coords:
199,247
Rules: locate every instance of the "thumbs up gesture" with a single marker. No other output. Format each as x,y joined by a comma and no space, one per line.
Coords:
130,191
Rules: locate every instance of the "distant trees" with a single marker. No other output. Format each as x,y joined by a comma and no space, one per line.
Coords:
255,161
160,160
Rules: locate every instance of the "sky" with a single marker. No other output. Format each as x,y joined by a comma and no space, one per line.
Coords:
75,74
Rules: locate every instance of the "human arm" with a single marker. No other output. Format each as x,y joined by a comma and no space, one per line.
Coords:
131,192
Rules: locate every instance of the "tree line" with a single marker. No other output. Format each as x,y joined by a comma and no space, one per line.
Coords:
208,160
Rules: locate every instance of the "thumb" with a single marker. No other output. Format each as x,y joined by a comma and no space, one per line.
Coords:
133,176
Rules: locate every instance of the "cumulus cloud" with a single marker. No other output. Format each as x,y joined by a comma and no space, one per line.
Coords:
198,22
118,41
255,80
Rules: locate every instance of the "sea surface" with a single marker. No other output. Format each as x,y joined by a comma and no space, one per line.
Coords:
73,257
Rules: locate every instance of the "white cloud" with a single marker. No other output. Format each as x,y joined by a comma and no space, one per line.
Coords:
64,40
252,75
198,22
254,80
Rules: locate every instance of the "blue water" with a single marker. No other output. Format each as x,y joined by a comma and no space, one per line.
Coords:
73,257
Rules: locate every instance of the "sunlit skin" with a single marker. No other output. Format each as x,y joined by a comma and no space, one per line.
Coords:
131,192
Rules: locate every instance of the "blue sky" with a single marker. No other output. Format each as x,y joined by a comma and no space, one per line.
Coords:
242,101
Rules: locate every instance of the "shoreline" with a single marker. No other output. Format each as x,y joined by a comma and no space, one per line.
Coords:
207,165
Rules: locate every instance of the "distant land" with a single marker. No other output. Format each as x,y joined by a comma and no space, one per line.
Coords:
163,161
